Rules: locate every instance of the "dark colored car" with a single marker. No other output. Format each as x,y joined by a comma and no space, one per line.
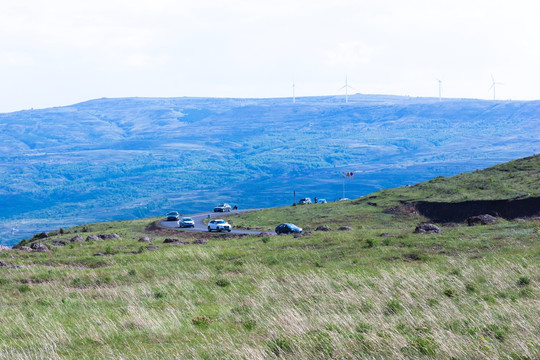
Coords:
173,216
288,229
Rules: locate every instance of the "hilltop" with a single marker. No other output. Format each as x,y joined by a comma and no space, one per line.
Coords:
134,157
378,290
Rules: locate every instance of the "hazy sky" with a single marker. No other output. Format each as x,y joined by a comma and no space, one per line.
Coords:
58,52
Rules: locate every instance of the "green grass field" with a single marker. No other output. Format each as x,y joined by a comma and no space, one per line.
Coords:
468,293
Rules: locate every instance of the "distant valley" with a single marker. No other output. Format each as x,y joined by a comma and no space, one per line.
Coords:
110,159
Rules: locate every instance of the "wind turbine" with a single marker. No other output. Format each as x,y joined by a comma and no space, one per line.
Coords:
493,85
440,84
346,87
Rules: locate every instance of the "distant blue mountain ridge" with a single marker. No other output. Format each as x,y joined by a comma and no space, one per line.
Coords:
111,159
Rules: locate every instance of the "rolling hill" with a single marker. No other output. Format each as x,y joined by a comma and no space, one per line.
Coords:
109,159
375,289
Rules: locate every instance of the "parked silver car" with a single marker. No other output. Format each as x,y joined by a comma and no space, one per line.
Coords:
187,222
223,208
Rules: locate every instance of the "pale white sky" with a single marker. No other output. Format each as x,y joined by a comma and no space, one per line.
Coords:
59,52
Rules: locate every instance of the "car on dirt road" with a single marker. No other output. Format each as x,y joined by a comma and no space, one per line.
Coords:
223,208
287,228
219,225
186,222
305,201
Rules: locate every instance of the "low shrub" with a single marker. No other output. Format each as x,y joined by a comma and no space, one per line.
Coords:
159,294
450,293
201,321
24,288
223,282
523,281
280,346
393,307
249,324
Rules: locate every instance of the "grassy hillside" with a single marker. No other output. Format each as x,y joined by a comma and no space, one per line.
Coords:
515,179
470,292
117,159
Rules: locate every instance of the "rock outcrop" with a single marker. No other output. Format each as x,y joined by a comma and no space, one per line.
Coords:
146,239
427,228
39,247
323,228
481,220
77,238
110,236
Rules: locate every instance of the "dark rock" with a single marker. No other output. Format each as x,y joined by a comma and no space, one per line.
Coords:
371,203
110,236
450,224
152,247
427,228
99,254
199,242
4,248
18,266
3,263
481,220
175,242
345,228
39,247
42,235
58,243
93,238
25,248
323,228
393,210
77,238
387,235
412,257
146,239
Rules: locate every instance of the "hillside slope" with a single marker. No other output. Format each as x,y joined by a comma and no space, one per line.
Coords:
135,157
375,291
514,180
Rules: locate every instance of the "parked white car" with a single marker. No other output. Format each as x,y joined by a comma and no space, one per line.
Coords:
219,225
